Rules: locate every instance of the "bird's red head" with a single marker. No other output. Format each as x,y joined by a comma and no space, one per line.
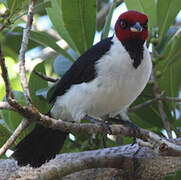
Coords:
132,25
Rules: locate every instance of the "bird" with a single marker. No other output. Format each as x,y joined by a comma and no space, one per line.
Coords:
103,81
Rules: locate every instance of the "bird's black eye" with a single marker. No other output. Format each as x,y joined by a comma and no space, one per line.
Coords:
123,24
145,26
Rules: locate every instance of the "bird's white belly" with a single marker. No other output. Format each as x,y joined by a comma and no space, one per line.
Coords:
102,96
116,86
117,95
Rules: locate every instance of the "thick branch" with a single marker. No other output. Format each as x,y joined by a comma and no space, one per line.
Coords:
137,162
24,45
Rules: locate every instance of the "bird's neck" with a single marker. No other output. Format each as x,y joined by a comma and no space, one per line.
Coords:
135,48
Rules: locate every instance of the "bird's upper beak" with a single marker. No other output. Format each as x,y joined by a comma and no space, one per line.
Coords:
136,28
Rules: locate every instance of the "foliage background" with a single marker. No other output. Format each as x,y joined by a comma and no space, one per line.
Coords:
74,25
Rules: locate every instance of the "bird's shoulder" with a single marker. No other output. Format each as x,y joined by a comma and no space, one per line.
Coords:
83,69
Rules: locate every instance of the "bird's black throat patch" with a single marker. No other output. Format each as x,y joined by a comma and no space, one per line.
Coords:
135,50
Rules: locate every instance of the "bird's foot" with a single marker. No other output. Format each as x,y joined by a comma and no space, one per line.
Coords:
107,129
134,130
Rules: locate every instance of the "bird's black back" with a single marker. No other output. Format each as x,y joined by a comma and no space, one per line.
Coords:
83,69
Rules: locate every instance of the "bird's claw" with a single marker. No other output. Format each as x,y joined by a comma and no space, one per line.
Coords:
134,130
107,130
106,127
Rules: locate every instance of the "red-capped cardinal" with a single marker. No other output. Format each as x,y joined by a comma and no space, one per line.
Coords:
104,80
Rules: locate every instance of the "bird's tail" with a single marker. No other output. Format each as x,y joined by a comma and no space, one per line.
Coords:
39,146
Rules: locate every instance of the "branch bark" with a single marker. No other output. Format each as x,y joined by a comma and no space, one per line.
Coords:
24,46
136,162
5,76
5,105
44,77
14,136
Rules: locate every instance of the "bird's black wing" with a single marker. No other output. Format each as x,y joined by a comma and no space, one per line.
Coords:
42,143
83,69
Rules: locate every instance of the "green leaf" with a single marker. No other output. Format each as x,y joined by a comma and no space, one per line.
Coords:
12,5
55,15
176,176
170,68
4,135
11,118
166,13
36,83
145,6
167,39
12,41
45,40
80,21
13,76
149,116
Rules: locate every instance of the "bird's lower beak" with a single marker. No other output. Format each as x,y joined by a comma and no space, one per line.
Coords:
136,28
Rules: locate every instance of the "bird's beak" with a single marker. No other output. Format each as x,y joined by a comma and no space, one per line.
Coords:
136,28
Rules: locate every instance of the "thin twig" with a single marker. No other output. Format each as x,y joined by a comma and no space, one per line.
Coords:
176,99
14,136
5,75
17,107
2,28
146,103
5,105
24,45
44,77
160,105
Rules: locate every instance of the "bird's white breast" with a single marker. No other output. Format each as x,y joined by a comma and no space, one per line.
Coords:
115,87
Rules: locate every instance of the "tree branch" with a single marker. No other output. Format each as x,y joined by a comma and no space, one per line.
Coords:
17,107
160,104
24,45
146,103
14,136
176,99
142,162
150,101
5,77
5,105
44,77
